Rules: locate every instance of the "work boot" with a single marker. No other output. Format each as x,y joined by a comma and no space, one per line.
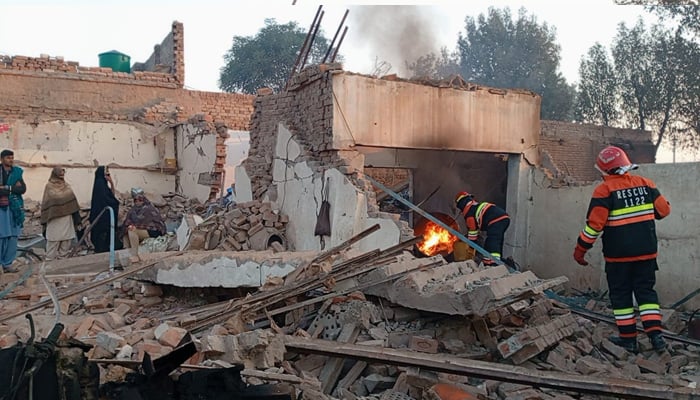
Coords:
657,341
629,344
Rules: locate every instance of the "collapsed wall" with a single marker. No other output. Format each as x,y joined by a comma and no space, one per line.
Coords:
149,129
293,163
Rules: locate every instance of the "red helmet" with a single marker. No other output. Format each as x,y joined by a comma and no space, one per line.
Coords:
611,158
462,195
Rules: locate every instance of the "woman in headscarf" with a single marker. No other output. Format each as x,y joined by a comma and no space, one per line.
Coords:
141,222
102,196
60,214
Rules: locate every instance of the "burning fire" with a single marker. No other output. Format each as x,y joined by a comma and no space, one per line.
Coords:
436,239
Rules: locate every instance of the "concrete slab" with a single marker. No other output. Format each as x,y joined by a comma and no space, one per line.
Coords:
228,269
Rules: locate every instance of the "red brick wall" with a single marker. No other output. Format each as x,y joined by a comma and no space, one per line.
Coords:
569,150
48,89
306,109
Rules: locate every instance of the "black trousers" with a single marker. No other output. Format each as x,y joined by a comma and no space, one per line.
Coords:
634,278
494,237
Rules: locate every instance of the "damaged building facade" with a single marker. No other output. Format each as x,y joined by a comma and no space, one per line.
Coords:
391,320
314,143
331,127
144,125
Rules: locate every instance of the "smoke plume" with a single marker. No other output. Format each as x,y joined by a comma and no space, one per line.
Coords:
396,34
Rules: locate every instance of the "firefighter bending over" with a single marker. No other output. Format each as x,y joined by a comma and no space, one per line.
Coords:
486,217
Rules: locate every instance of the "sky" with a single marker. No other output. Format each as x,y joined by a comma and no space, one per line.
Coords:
79,30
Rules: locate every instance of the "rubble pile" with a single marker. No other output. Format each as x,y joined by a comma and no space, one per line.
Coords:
253,225
376,325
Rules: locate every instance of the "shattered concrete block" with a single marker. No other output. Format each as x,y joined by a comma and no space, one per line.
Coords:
650,366
125,352
376,382
214,344
617,351
122,308
115,320
160,330
588,365
109,341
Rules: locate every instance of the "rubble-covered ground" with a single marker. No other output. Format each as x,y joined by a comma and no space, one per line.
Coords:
399,327
126,318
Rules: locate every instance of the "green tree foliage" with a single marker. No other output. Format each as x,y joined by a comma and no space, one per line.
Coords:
435,66
654,84
497,51
598,90
687,15
266,59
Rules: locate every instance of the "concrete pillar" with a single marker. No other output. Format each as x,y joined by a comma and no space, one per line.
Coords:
518,204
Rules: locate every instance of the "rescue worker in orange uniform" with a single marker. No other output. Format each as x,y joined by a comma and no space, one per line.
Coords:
623,208
486,217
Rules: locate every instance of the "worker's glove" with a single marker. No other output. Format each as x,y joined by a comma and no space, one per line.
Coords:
579,253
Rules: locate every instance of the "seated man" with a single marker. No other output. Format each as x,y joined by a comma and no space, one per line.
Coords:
142,221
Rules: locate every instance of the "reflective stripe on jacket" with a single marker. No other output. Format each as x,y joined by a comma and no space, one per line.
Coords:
623,208
479,216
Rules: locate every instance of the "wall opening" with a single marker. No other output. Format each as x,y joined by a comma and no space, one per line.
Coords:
237,146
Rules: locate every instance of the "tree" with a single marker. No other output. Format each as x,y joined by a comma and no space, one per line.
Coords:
649,68
598,90
496,51
266,59
653,86
435,66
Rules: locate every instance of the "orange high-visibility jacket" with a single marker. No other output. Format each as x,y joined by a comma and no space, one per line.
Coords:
624,208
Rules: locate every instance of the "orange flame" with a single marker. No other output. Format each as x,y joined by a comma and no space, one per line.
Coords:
436,239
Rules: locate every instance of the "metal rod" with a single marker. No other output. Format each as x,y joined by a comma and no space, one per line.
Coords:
87,230
413,207
335,53
303,46
311,43
111,238
93,285
330,46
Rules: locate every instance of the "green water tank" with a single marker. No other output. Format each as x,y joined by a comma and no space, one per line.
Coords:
119,62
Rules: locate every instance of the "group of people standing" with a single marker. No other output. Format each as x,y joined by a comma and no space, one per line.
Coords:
60,214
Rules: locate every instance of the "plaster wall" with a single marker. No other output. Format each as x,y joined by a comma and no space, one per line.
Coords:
132,153
300,194
196,154
557,214
400,114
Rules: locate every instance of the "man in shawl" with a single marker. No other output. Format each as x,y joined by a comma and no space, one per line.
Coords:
60,215
102,196
141,222
12,187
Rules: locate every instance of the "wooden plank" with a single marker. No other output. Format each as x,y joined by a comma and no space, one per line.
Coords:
271,376
483,334
622,388
331,371
350,377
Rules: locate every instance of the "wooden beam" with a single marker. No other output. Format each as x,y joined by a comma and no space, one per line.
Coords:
626,389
